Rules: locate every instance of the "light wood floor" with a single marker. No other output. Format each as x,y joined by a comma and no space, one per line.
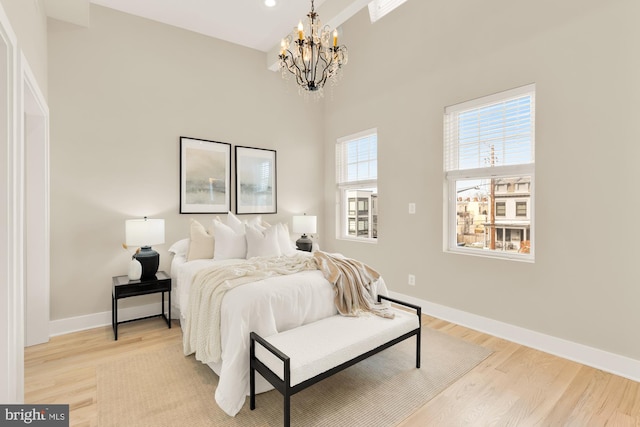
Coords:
515,386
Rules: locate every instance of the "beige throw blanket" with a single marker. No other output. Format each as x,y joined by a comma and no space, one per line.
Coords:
353,282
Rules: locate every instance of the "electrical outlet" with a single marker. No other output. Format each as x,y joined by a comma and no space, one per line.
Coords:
412,280
412,208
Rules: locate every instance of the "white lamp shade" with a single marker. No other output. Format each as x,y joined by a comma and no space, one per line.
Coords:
304,224
144,232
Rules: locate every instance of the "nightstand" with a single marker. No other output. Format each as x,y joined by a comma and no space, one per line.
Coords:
125,288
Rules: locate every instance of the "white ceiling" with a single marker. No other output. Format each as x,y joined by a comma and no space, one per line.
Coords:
245,22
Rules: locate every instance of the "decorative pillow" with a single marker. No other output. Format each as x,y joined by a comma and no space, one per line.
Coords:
235,223
287,247
201,245
262,243
258,224
180,248
229,244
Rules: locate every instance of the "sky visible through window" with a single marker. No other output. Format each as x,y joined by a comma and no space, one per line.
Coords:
503,128
362,163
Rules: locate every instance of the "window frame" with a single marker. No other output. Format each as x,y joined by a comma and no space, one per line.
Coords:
451,178
343,218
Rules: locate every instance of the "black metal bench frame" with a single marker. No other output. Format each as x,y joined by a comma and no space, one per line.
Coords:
284,386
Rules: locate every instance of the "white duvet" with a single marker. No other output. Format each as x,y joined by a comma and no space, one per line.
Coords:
267,307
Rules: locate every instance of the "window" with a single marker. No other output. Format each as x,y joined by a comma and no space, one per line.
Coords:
489,150
379,8
357,186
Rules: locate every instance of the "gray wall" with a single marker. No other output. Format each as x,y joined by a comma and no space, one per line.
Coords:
122,92
127,87
406,68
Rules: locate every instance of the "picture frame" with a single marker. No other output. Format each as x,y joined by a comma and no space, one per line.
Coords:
256,180
205,176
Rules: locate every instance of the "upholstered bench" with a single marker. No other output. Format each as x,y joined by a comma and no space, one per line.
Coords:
298,358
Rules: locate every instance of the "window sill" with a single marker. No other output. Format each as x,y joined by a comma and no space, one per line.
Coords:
358,239
487,253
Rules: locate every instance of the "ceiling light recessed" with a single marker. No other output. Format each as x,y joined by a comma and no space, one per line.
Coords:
270,3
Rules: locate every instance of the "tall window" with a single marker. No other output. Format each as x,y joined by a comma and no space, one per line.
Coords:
357,186
489,148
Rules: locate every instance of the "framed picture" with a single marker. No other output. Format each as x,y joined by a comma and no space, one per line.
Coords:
205,176
255,180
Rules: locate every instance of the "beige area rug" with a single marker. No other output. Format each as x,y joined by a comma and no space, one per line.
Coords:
167,389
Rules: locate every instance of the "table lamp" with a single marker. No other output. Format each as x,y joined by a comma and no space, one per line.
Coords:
144,233
304,224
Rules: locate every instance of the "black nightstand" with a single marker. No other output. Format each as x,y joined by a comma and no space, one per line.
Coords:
125,288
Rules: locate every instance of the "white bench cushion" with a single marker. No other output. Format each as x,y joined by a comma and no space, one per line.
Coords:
319,346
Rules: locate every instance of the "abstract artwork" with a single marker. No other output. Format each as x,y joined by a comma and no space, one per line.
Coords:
205,176
255,180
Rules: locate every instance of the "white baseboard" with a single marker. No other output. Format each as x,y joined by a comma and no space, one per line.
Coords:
599,359
96,320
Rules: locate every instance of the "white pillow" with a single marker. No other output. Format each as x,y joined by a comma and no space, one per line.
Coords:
238,225
262,243
229,244
235,223
180,248
257,223
287,247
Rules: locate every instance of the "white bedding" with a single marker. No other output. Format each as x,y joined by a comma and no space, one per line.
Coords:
267,307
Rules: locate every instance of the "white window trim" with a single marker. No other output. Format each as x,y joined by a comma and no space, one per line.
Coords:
451,177
341,189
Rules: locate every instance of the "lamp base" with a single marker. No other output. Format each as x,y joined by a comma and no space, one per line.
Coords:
304,243
150,261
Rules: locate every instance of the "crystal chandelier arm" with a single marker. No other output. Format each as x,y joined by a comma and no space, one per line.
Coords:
327,65
301,64
288,62
290,66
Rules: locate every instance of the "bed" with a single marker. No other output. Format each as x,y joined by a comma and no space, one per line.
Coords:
266,306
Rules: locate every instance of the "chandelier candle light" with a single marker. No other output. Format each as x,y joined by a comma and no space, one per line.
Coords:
312,58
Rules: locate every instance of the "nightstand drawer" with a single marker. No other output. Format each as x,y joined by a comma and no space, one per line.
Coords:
124,291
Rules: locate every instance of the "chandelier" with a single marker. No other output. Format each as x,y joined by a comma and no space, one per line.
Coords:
313,58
